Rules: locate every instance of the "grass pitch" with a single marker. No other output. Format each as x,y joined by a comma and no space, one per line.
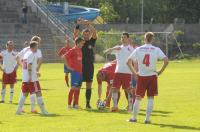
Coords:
177,108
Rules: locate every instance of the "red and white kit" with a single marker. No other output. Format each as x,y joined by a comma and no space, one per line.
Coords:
147,56
9,65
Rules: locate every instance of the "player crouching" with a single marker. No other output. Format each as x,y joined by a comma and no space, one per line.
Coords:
73,61
30,79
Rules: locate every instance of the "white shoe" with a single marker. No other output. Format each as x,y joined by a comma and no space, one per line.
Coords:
44,112
18,112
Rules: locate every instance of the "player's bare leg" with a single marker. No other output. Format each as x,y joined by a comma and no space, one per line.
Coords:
67,79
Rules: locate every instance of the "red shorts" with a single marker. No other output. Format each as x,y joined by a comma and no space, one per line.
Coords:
31,87
122,79
149,84
9,78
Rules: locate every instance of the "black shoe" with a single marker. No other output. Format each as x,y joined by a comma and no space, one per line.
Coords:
147,122
88,106
2,101
132,120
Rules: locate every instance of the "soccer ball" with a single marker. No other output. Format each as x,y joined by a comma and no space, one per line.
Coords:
101,105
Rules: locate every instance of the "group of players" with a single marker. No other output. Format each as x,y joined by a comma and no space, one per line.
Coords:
134,70
30,59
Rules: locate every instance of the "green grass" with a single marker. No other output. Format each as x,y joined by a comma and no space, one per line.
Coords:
177,108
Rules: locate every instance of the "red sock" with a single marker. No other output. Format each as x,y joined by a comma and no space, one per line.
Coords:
70,96
67,80
76,96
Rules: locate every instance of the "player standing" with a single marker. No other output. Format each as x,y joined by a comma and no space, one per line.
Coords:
9,69
30,83
73,61
90,37
61,52
146,56
122,72
39,63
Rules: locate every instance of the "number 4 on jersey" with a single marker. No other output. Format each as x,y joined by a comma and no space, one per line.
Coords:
146,60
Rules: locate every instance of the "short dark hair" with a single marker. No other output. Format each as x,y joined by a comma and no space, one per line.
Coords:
33,44
125,33
78,40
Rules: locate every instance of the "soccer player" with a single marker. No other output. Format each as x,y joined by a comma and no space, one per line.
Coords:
146,56
122,72
90,37
9,69
106,74
39,62
30,83
61,52
73,61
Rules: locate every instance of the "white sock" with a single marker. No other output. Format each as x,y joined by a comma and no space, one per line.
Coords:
136,108
130,104
32,100
114,98
3,93
11,93
149,108
21,103
41,104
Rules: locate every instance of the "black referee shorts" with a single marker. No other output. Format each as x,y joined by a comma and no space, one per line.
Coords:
88,72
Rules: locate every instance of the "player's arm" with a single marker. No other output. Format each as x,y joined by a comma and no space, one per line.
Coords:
108,51
76,29
39,63
165,63
30,72
130,63
92,30
1,61
67,63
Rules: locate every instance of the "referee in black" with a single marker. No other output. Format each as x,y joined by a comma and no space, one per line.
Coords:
90,37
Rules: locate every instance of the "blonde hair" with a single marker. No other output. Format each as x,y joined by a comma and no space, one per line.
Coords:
36,38
149,36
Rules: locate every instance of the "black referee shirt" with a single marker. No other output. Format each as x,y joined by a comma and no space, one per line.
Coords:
88,51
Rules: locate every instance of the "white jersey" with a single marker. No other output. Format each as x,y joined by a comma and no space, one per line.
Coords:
146,57
29,58
121,57
24,50
9,61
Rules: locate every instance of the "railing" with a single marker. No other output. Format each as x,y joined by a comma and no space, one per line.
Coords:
47,17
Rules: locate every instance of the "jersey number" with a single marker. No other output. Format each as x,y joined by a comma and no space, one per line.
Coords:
146,60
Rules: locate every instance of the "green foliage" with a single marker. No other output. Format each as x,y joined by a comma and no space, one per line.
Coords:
107,12
162,11
196,45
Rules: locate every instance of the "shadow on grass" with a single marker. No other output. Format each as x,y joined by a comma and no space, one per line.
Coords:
106,111
156,113
176,126
52,115
24,104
